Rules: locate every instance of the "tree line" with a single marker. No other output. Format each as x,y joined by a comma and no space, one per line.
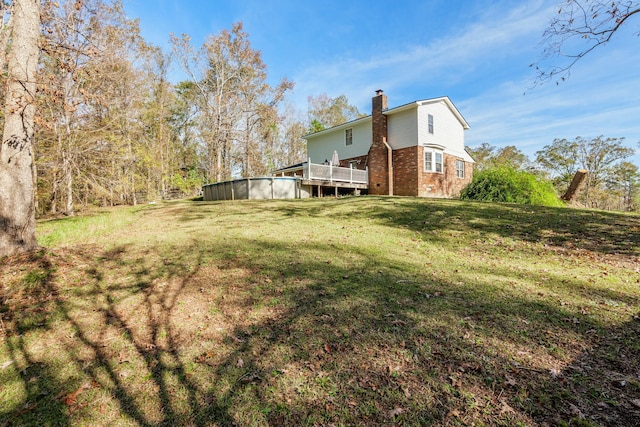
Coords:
576,29
90,117
111,128
612,181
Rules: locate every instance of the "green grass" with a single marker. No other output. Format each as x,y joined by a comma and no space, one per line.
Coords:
354,311
90,227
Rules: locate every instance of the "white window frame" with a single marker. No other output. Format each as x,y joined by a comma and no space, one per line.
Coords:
460,168
432,164
348,136
430,123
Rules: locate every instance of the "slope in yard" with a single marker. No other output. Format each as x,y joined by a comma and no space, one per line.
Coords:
356,311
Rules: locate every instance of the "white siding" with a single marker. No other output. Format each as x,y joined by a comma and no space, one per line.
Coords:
407,126
447,129
320,147
402,128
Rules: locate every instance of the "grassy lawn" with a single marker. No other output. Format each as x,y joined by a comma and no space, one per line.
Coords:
354,311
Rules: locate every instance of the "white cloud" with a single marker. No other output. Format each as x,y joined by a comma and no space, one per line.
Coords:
452,57
600,98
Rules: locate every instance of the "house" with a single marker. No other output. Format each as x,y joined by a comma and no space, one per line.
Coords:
416,149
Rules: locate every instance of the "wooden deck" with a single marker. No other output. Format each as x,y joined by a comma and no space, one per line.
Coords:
324,188
328,179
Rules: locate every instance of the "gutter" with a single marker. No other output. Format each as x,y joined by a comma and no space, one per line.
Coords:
389,164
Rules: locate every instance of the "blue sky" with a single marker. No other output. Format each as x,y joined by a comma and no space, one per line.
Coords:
476,52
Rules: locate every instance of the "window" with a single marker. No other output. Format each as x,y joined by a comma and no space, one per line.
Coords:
430,124
348,136
460,168
432,161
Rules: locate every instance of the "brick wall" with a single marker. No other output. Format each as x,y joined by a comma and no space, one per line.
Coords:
361,162
405,178
378,160
455,185
445,184
409,177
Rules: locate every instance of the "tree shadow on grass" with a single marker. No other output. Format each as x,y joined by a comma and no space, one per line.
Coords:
253,332
601,232
597,231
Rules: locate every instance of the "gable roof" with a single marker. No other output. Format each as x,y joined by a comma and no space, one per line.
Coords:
444,99
390,111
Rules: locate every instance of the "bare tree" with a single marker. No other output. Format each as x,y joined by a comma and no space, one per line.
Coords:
579,27
88,96
292,148
5,32
238,108
326,112
17,170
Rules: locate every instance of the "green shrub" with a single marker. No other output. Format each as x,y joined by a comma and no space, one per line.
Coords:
509,185
189,183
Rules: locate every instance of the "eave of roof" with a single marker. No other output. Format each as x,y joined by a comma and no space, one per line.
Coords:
290,168
414,104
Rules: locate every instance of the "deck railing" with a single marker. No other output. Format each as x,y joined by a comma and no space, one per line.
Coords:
331,173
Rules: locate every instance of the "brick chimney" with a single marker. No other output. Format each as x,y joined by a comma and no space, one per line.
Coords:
379,153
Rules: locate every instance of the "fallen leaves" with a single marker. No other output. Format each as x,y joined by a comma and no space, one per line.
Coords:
395,412
327,348
505,408
453,413
510,381
205,357
123,357
455,381
575,411
70,398
249,377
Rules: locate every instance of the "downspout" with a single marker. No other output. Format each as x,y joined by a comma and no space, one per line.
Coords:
389,164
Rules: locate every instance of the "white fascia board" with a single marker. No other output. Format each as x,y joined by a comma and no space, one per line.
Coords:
451,107
463,154
401,108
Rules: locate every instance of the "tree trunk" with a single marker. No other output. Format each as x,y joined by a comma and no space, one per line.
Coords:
68,179
17,202
576,184
53,208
